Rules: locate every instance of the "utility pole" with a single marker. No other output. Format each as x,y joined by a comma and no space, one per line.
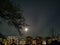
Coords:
52,33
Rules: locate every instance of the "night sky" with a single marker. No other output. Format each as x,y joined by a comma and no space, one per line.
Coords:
41,15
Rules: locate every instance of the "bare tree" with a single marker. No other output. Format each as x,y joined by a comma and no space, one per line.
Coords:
11,15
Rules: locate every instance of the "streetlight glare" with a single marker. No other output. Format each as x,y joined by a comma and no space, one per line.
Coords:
26,29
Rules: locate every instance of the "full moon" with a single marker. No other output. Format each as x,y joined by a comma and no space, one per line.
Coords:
26,29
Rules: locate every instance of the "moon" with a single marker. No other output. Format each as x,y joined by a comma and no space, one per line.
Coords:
26,29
